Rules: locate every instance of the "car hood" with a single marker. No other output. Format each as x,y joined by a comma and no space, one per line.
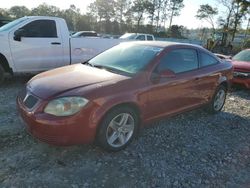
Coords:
241,65
55,82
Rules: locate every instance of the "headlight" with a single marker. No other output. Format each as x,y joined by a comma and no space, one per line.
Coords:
65,106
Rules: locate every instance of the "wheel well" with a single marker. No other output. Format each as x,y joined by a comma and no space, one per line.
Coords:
127,104
5,64
225,84
130,105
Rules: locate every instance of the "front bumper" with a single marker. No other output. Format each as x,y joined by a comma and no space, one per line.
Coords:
77,129
242,81
242,78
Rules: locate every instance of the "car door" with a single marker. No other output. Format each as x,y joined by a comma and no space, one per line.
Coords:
40,47
176,93
210,75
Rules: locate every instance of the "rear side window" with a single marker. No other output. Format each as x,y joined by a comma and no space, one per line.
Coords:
149,37
179,60
140,37
41,29
207,60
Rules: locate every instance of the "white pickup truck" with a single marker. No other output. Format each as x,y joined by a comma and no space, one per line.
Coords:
38,43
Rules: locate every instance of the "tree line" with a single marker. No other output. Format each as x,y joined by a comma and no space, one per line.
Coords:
147,16
110,16
236,12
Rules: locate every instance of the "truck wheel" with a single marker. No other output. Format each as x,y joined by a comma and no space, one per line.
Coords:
1,74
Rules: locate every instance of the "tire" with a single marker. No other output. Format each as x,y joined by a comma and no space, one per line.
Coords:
1,74
118,129
218,100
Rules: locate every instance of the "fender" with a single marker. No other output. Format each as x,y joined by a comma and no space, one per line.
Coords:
5,53
117,101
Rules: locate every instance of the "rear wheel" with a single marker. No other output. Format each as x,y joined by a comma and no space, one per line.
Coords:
118,129
218,100
2,72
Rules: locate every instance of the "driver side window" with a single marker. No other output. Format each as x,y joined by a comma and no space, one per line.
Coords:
40,29
178,61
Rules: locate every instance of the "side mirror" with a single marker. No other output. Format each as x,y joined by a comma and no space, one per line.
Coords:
18,34
167,74
156,77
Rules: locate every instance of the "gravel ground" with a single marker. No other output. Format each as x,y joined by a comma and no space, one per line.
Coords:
194,149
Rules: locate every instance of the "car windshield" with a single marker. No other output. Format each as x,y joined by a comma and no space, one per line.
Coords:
128,36
243,56
12,24
126,58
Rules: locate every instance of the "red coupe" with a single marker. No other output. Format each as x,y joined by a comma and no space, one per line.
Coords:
241,64
110,97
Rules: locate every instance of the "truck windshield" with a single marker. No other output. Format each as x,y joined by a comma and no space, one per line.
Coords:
12,24
126,58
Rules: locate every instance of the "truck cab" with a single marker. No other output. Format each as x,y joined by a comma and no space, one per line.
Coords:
34,44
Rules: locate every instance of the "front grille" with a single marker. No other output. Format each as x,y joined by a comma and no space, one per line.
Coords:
30,101
241,74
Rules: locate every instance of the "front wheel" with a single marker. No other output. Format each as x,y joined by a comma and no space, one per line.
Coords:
118,129
218,100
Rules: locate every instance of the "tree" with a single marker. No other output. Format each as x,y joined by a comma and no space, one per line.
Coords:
19,11
4,13
175,8
225,23
45,10
165,13
104,11
121,9
175,31
74,18
158,8
236,11
207,13
242,7
139,8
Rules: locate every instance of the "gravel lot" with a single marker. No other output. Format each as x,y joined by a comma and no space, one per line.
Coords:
195,149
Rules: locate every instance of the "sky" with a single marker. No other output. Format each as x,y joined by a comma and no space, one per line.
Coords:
187,17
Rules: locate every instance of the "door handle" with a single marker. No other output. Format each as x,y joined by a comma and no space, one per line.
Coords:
55,43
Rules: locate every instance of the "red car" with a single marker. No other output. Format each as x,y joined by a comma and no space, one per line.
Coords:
110,97
241,64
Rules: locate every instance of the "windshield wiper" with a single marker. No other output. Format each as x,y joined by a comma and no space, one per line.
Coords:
103,67
87,63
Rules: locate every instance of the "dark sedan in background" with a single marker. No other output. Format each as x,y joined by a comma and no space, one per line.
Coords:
110,97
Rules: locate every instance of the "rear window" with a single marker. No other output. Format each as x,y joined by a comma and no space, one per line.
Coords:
207,60
140,37
149,37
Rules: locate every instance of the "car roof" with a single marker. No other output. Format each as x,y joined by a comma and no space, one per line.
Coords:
164,44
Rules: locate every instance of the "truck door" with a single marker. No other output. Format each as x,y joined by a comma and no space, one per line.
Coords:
39,48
